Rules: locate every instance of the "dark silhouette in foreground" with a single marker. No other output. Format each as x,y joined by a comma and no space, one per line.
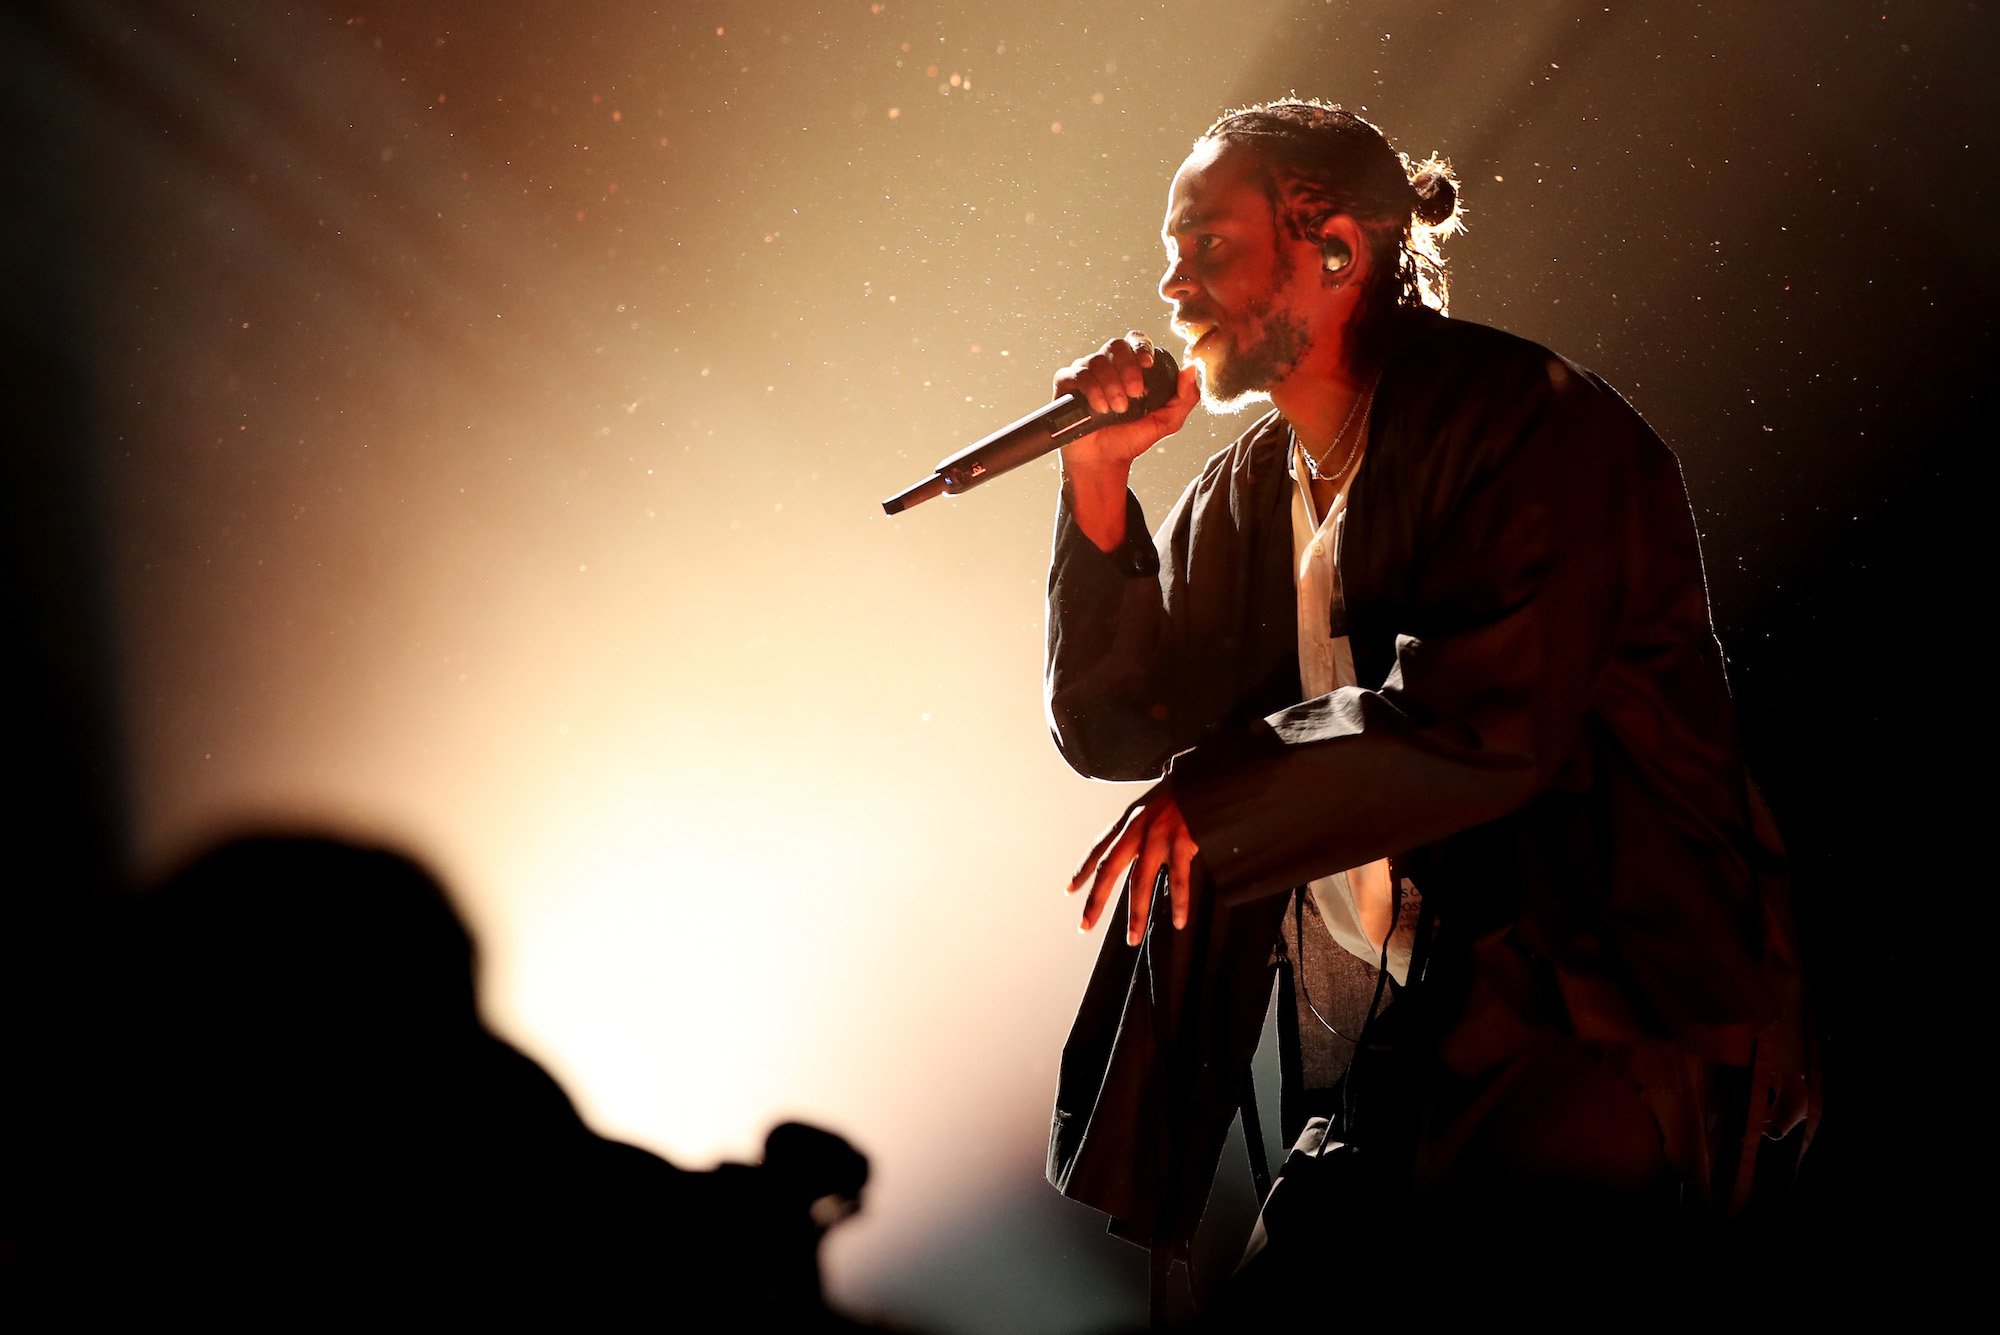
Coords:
294,1108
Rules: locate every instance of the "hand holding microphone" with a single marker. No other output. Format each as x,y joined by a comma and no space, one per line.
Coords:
1122,400
1114,379
1099,467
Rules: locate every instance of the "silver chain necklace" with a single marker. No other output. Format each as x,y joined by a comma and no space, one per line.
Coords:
1358,408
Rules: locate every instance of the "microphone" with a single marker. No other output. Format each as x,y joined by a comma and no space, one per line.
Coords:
1068,418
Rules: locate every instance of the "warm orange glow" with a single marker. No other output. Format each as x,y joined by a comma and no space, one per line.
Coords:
470,430
555,550
505,478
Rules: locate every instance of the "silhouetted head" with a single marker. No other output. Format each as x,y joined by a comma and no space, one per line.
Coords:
314,938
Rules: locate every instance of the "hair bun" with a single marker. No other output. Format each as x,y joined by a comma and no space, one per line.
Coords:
1436,191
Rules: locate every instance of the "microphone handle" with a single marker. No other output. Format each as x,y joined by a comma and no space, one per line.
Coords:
1017,443
1047,428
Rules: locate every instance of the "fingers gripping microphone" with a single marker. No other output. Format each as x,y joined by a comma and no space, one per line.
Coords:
1068,418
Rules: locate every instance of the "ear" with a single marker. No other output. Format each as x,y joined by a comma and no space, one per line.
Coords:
1344,251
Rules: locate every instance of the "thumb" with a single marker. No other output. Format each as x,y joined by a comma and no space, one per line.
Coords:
1187,393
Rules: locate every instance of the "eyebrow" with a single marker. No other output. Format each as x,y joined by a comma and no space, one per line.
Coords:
1191,219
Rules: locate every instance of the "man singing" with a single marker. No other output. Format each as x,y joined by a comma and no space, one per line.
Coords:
1423,669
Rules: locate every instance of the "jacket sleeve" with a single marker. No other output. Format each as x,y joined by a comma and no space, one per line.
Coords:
1137,666
1507,623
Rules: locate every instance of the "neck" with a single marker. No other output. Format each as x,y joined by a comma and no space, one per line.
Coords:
1322,393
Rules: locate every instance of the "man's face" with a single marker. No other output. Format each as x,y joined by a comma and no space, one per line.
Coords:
1239,283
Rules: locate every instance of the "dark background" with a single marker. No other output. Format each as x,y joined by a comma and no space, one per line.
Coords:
238,250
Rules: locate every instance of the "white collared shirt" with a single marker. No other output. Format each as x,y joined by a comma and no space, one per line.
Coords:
1350,902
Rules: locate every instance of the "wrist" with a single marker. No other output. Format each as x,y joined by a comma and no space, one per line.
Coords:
1094,472
1097,495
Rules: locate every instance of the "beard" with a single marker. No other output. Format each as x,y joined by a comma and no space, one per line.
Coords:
1242,373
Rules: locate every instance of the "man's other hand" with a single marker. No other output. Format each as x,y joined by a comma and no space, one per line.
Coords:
1151,834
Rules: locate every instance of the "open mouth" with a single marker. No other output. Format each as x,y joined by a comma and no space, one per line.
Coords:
1195,332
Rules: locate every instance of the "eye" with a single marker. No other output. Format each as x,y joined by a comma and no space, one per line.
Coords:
1206,243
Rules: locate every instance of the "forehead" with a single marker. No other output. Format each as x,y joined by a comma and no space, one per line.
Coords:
1219,182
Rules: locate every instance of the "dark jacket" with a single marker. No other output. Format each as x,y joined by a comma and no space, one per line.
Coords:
1543,741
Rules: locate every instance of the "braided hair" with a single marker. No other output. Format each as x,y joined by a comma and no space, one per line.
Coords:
1319,160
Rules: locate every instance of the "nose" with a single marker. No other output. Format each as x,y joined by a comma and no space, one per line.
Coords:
1175,284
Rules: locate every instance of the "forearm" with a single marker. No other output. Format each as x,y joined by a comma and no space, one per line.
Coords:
1099,496
1339,782
1108,654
